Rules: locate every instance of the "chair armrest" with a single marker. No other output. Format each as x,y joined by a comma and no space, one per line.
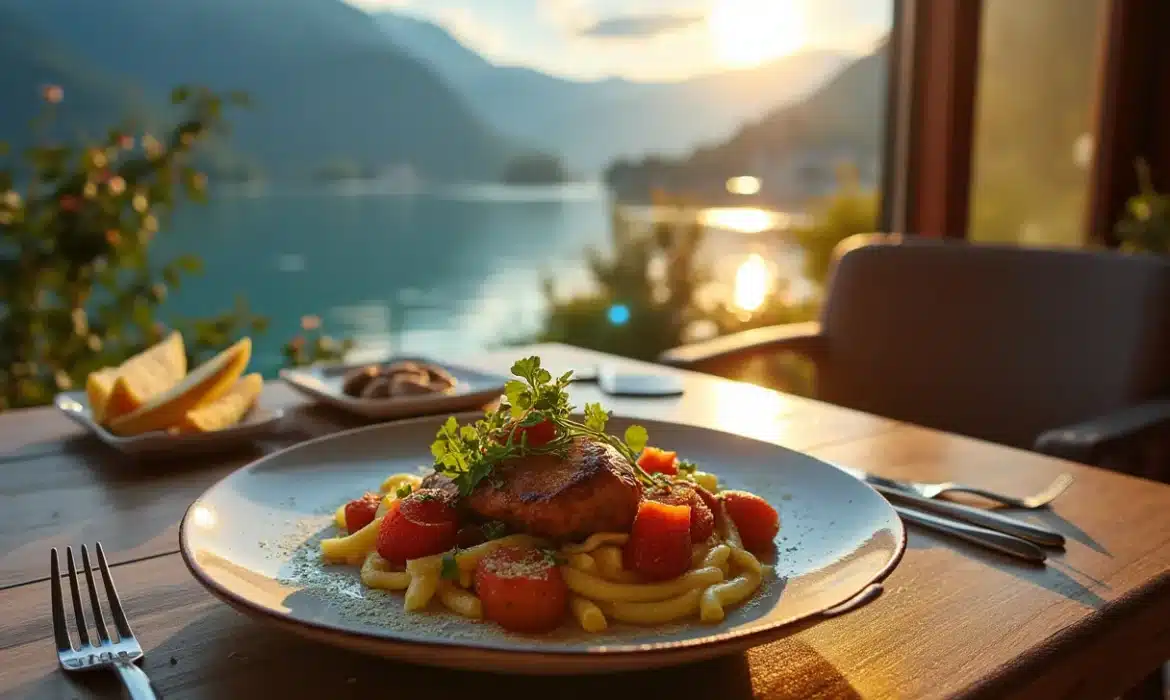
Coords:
1084,442
802,338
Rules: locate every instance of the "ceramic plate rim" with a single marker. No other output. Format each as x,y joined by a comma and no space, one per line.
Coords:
742,635
259,420
405,407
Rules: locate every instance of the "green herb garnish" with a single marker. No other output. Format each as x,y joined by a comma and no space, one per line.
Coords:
493,530
467,454
686,467
403,490
449,568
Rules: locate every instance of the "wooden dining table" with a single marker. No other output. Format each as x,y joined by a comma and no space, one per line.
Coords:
953,620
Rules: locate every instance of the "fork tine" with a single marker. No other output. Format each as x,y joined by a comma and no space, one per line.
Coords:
60,628
99,620
78,609
116,611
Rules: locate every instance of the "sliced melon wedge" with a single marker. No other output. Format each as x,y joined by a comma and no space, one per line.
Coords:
204,384
145,376
225,411
98,387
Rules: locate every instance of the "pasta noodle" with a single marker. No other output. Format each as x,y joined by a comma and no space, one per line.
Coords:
588,614
610,567
596,540
467,559
351,549
423,585
582,562
746,560
376,573
656,612
718,557
707,480
459,601
598,589
392,482
722,595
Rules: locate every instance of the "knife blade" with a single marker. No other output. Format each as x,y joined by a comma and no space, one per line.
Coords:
991,539
977,516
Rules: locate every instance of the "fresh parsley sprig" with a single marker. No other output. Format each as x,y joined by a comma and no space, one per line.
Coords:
467,454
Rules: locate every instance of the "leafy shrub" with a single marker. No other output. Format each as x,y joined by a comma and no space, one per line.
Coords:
78,288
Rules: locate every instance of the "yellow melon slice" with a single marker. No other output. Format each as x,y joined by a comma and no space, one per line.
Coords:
225,411
98,387
204,384
146,375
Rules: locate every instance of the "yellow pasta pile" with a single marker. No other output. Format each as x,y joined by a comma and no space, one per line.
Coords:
723,574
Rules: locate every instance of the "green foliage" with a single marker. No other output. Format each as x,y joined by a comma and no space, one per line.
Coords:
1146,225
313,346
851,210
78,288
664,299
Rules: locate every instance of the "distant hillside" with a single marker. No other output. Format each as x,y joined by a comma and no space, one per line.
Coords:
592,122
31,61
326,84
792,150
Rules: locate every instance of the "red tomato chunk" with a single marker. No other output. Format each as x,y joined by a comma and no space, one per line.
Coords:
660,541
757,521
360,511
521,589
423,523
656,461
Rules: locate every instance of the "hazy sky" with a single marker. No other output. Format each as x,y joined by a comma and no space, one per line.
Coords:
649,39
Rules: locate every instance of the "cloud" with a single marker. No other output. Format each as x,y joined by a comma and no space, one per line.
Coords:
472,31
639,26
568,16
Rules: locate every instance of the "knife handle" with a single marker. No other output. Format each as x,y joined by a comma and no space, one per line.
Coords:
985,518
991,539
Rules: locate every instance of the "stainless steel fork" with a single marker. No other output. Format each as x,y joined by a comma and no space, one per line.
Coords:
122,655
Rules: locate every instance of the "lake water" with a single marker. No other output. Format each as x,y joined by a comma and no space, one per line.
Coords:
449,271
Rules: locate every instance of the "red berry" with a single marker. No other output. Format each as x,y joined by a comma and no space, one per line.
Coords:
757,521
360,511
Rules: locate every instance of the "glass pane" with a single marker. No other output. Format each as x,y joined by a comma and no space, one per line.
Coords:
1033,122
435,177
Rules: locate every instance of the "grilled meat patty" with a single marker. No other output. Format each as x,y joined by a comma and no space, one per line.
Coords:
592,489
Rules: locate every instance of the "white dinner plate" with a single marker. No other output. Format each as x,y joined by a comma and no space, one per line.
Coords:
258,422
252,540
473,389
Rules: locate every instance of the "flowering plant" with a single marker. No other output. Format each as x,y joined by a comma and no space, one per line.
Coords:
78,289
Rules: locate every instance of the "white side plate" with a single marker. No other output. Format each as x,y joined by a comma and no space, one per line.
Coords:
322,383
259,422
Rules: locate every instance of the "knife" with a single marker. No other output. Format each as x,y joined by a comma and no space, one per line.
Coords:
991,539
978,516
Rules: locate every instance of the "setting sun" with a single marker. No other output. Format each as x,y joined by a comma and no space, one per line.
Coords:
748,32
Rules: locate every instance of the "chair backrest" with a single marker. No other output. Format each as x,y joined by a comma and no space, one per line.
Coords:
996,342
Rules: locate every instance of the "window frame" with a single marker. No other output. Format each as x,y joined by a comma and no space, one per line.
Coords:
933,87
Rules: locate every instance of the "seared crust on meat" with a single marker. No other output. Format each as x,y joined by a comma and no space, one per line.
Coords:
593,489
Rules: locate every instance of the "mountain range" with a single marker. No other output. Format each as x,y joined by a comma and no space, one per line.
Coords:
330,83
840,121
590,123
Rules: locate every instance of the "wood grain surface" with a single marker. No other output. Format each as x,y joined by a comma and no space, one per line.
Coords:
954,621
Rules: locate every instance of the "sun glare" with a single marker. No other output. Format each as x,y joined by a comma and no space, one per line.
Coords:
752,283
749,32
